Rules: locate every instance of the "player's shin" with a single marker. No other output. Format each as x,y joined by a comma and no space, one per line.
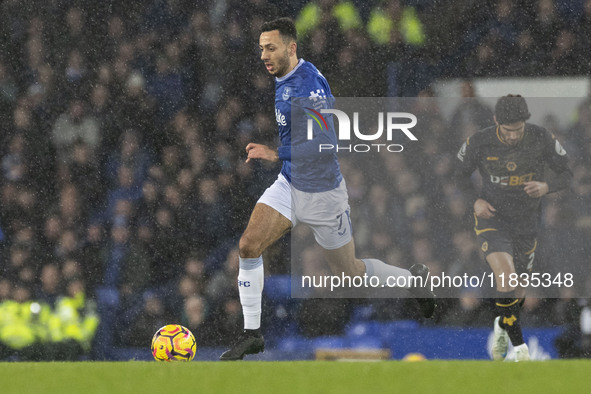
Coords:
508,307
250,286
387,274
414,279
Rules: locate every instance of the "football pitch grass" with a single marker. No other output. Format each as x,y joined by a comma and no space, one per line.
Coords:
558,376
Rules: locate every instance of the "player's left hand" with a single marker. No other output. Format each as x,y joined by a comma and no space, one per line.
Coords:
535,189
259,151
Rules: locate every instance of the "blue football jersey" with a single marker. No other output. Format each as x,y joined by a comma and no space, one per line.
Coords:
307,168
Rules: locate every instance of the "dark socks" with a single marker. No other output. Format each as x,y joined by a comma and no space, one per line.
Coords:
508,307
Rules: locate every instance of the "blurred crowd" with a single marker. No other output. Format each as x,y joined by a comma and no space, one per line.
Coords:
123,127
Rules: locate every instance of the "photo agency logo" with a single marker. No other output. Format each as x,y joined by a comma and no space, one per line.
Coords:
352,139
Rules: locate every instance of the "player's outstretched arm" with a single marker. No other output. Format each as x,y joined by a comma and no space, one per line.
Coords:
259,151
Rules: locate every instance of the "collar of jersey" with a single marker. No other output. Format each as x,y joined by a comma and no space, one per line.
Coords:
289,74
501,139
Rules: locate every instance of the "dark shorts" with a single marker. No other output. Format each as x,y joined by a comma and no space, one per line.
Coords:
494,237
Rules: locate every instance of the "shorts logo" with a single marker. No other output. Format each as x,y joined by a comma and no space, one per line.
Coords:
509,320
342,230
485,246
511,166
462,152
559,149
286,93
530,263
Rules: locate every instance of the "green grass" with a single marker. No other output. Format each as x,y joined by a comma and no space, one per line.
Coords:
297,377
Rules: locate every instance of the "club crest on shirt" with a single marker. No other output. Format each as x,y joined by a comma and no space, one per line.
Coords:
511,166
286,93
484,246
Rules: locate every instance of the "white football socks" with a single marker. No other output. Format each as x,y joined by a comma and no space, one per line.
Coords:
251,277
375,267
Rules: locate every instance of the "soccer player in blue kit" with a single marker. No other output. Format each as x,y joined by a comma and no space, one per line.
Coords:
318,191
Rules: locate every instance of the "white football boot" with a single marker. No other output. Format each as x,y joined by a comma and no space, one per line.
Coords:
521,353
500,342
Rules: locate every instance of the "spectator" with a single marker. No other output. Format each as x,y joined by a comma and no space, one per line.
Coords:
136,110
136,265
75,77
14,164
50,286
564,57
469,116
194,318
91,257
342,14
223,280
169,251
69,207
152,316
83,173
101,109
72,126
52,230
116,251
392,22
210,226
167,87
130,154
8,94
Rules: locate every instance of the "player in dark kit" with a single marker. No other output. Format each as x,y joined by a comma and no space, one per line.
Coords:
511,158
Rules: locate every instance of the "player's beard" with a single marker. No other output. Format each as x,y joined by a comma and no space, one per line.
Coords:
282,65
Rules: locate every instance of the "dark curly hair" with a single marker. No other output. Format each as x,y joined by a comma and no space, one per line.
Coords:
285,26
511,109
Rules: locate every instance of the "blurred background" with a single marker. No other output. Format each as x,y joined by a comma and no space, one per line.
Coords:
123,187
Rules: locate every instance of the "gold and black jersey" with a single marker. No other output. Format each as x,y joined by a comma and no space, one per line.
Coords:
506,168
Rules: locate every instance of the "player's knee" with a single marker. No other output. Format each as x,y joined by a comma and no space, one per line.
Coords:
249,247
504,285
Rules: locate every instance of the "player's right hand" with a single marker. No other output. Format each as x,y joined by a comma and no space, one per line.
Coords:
483,209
